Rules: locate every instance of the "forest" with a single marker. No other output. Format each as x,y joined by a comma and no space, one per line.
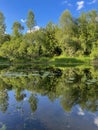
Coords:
70,37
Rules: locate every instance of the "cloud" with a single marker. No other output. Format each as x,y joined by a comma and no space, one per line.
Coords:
66,2
70,4
80,5
23,20
96,121
92,2
35,28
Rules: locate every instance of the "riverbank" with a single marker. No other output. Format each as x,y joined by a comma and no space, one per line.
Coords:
53,60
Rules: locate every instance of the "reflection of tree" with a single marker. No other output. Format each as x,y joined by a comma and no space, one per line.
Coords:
73,85
19,95
69,98
89,97
47,84
79,88
4,100
33,100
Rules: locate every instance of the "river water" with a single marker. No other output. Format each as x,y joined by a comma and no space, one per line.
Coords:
48,98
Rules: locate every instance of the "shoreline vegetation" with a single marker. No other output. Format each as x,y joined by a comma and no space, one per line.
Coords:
72,41
50,61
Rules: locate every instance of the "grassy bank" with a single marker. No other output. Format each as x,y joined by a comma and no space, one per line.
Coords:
70,60
51,61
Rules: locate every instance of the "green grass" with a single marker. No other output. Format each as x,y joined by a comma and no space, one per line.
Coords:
70,60
56,61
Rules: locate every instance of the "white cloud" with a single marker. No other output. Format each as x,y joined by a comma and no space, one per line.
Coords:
23,20
96,121
65,2
80,5
92,2
35,28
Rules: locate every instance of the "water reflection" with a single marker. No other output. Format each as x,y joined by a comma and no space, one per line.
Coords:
3,100
29,94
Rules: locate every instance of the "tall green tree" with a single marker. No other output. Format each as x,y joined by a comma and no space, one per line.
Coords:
83,33
88,30
50,42
66,21
93,32
30,20
2,27
67,33
17,28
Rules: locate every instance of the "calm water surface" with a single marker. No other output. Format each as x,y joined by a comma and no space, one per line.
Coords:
48,98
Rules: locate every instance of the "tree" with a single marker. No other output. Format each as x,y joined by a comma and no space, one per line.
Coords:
93,32
66,22
17,29
67,34
88,30
83,33
2,27
50,42
30,20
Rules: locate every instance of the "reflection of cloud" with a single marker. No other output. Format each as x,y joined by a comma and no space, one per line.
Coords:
92,2
80,5
96,19
25,99
80,112
23,20
96,121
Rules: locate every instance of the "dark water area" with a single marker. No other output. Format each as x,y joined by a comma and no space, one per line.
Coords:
48,98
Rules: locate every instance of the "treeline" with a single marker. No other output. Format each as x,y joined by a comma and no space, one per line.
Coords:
70,37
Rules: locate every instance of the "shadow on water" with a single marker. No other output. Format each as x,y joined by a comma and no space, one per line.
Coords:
26,91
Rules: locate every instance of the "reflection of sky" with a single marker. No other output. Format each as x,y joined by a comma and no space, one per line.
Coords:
49,115
96,121
80,111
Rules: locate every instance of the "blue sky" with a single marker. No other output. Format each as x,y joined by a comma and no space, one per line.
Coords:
44,10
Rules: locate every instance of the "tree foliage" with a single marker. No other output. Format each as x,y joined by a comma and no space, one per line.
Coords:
30,20
17,29
2,27
71,37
